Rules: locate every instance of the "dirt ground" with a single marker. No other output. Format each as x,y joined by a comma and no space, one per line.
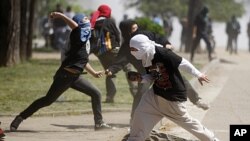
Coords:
80,127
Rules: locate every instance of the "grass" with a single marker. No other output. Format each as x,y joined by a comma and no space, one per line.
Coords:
25,82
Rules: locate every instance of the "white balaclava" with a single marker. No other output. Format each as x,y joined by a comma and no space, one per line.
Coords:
145,47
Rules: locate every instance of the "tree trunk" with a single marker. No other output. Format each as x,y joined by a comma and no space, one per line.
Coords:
23,30
194,7
30,27
9,32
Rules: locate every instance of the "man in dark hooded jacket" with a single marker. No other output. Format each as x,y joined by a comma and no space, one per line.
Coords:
201,24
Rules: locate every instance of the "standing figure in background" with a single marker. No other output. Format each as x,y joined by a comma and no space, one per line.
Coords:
69,13
168,25
200,27
248,33
157,19
232,30
59,28
184,24
47,30
210,34
105,44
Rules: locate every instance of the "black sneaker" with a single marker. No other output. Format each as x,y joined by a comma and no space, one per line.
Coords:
103,126
15,123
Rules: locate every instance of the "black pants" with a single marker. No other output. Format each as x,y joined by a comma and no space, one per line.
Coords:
106,60
232,44
197,41
62,81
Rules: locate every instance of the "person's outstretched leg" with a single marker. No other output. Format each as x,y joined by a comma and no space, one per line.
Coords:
142,88
86,87
177,112
61,83
145,118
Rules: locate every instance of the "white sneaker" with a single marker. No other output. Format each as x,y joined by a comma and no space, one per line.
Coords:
202,105
128,130
216,139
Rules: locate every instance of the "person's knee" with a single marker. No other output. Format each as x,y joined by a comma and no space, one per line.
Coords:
96,95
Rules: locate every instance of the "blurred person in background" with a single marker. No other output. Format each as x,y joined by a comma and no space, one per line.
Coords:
59,28
105,44
248,33
184,24
232,30
200,30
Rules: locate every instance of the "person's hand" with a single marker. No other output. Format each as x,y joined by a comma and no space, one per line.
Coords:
202,78
98,74
54,15
108,72
134,76
169,46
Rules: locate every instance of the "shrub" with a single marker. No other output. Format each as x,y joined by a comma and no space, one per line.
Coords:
147,24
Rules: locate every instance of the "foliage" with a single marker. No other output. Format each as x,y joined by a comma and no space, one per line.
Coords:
147,24
47,6
224,9
220,10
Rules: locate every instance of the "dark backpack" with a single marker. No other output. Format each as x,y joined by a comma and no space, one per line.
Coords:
100,41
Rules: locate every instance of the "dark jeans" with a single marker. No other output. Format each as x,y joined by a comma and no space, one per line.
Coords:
62,81
232,44
106,60
197,41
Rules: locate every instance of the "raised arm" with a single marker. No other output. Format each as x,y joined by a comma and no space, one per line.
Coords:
72,24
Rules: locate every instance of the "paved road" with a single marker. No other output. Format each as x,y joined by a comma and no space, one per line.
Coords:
228,94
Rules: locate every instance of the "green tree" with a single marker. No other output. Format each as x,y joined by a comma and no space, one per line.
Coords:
220,10
147,24
16,26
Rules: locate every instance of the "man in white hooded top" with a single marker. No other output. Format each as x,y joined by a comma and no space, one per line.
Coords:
167,96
